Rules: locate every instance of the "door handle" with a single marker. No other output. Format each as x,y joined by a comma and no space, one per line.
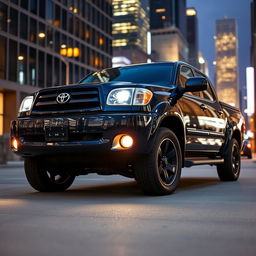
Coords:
203,107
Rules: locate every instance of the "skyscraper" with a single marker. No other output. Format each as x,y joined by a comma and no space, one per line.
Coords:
130,27
168,13
226,46
168,30
45,43
192,37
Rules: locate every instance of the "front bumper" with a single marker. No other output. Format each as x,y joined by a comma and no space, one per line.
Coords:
90,137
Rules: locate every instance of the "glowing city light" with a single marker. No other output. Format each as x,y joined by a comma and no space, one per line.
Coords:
70,52
160,10
101,41
41,35
191,12
250,90
149,49
201,60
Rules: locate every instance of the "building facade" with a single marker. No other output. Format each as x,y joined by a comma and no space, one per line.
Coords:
168,30
192,37
226,45
130,27
168,13
168,44
48,43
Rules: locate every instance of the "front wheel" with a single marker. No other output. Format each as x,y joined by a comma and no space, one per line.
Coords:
158,173
230,169
46,179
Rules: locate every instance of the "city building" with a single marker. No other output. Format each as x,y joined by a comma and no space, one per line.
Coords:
192,38
130,28
168,30
226,46
48,43
168,44
168,13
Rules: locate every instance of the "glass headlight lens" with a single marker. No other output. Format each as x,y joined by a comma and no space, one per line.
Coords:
26,104
129,96
121,96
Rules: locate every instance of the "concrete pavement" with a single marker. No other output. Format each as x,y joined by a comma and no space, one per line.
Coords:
108,215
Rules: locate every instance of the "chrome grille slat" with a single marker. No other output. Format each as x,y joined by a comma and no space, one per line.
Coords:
48,103
82,100
66,111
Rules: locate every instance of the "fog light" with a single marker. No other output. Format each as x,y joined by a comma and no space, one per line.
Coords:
122,142
126,141
15,144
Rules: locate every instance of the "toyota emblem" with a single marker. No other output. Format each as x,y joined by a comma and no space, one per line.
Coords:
63,98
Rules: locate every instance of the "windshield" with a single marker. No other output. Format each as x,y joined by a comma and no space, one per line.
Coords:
159,74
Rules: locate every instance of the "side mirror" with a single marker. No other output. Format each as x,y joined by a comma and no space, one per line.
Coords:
196,84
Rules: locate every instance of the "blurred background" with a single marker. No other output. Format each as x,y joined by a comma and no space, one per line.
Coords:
45,43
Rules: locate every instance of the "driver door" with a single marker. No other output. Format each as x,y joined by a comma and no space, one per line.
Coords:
190,105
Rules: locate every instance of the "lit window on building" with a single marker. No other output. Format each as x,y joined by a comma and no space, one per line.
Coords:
160,10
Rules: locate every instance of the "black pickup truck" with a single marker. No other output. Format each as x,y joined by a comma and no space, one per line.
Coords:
143,121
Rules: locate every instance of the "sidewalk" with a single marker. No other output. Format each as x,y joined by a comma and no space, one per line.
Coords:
12,164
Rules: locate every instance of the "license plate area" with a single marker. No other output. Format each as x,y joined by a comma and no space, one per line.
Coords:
56,130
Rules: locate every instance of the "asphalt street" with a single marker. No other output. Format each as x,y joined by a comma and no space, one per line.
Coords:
108,215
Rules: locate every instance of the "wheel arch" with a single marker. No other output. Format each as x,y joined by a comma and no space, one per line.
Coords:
175,124
232,131
237,135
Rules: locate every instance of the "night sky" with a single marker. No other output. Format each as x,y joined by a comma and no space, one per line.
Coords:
210,10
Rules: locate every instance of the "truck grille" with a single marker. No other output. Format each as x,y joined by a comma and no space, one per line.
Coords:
81,100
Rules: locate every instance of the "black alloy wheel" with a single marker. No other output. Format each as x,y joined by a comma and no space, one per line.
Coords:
158,173
230,169
167,161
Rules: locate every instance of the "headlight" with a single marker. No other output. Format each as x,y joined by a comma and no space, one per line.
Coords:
129,96
26,104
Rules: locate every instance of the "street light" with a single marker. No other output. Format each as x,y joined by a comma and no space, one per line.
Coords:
65,61
68,52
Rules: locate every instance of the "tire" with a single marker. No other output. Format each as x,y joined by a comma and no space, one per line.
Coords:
249,155
230,169
45,179
158,173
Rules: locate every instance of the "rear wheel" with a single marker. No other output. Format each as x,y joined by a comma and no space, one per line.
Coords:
158,173
230,169
46,178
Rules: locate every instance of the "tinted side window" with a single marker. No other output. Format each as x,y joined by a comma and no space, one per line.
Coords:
185,73
207,94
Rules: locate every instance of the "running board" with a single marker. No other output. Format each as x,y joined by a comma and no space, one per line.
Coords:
189,163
